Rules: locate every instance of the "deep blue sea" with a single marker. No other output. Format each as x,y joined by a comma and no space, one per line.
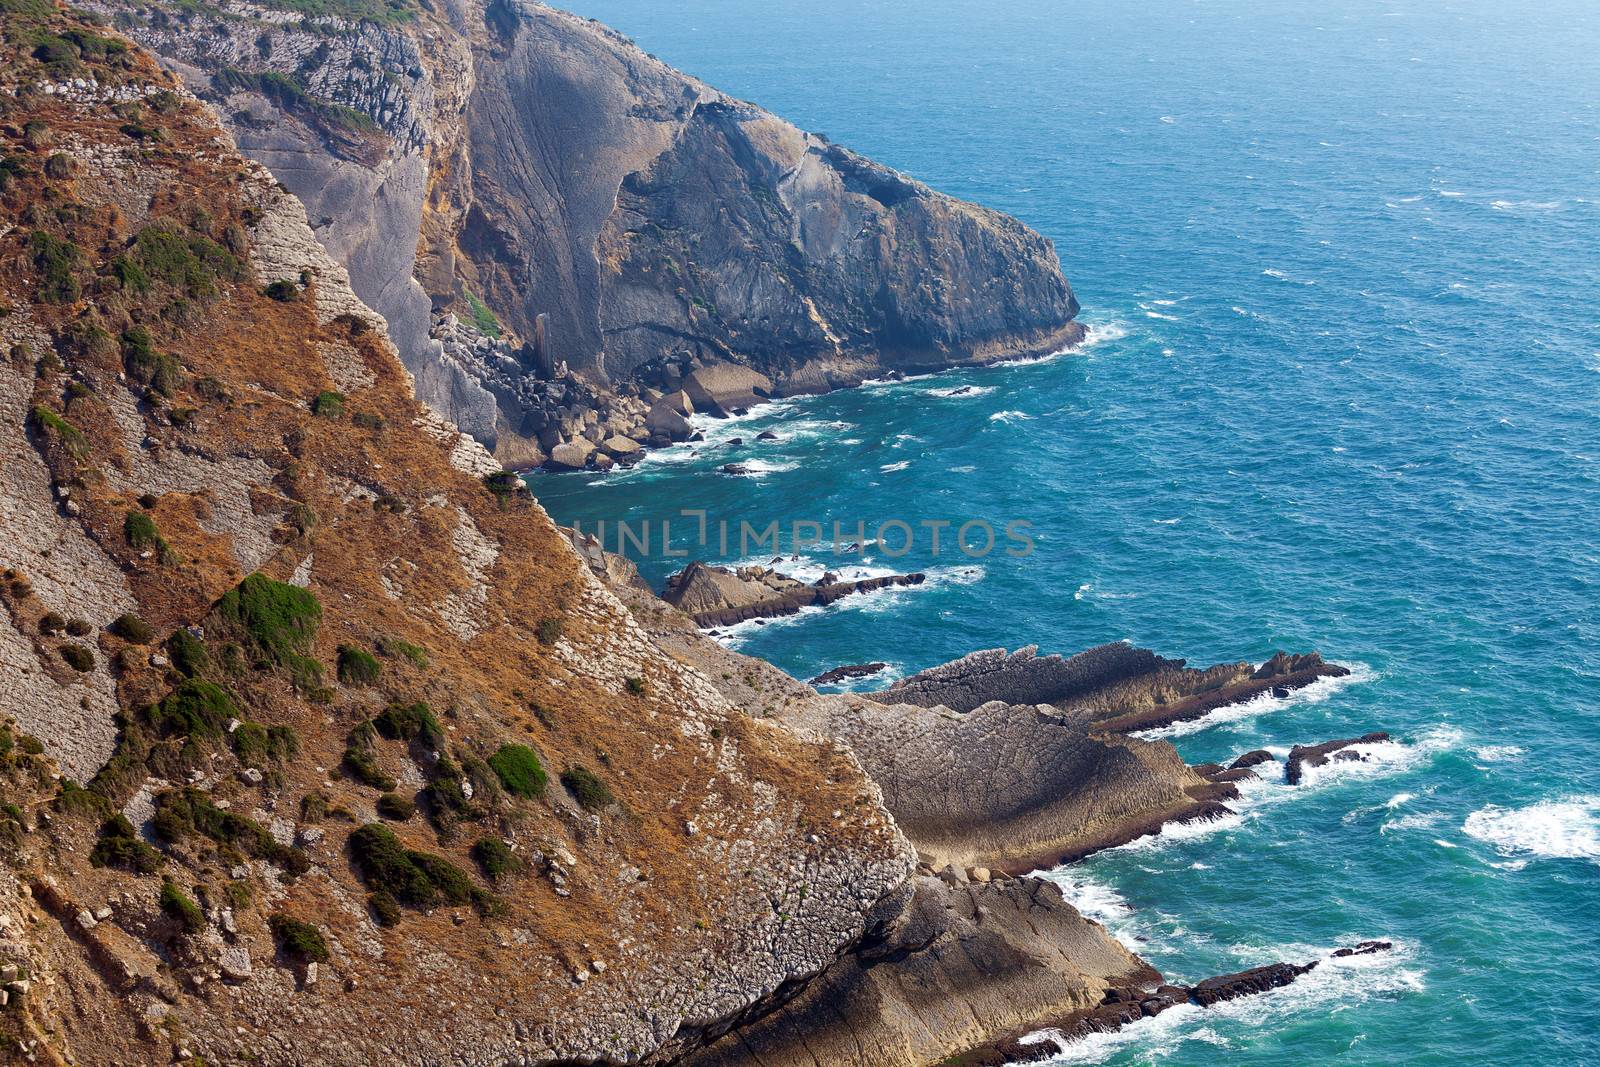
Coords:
1341,262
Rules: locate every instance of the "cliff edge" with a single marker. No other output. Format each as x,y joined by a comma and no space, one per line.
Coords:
562,230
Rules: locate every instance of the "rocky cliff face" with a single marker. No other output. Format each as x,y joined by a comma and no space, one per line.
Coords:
360,757
595,225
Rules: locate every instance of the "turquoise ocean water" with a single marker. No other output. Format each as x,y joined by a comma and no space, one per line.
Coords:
1341,262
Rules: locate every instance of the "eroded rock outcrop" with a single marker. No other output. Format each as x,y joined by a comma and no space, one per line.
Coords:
1121,687
1010,786
962,964
614,231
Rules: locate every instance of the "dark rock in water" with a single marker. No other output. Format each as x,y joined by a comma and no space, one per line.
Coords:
1256,980
1365,948
965,390
736,469
1280,692
854,670
1206,770
1251,759
698,435
766,435
716,596
1122,1005
1302,757
735,442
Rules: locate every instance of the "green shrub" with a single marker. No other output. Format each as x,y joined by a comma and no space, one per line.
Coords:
171,254
256,745
188,653
328,404
367,421
58,262
283,291
159,370
357,667
78,657
482,317
302,518
298,940
396,807
175,904
549,630
504,484
73,799
313,807
586,789
411,722
360,757
196,708
519,770
48,424
636,686
183,812
416,878
129,276
133,629
495,858
51,623
142,534
385,909
79,627
396,648
278,621
120,847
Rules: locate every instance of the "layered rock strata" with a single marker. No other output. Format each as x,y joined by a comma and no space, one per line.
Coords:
438,149
1121,687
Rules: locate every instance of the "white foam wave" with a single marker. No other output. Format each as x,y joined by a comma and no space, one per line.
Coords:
1336,984
961,392
1010,416
1095,334
1263,703
1497,753
755,468
1273,272
1527,205
1551,829
1382,758
1178,833
1421,821
902,465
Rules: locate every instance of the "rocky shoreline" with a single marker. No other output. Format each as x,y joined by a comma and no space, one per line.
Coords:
716,596
1125,1005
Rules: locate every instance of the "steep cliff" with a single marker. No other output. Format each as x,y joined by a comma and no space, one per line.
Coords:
362,764
556,224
